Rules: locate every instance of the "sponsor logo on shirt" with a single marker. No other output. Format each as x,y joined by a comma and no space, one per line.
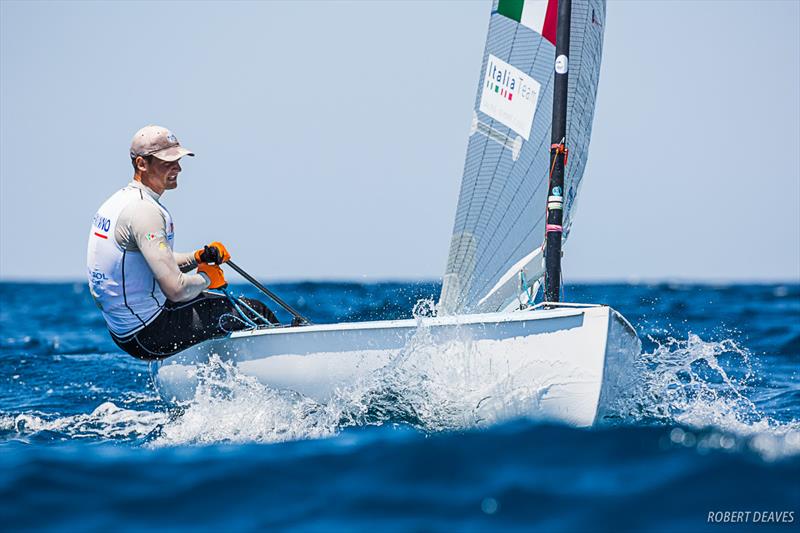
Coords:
102,225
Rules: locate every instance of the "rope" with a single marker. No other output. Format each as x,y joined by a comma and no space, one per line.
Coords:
229,315
255,313
559,148
239,309
243,318
528,290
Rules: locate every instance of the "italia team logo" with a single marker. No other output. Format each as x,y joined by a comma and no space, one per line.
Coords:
509,96
501,80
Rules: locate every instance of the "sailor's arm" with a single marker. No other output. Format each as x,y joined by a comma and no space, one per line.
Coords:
185,260
147,229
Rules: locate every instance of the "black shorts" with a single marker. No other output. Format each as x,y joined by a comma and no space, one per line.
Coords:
184,324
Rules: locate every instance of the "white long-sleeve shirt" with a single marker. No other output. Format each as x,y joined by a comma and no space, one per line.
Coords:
136,225
132,268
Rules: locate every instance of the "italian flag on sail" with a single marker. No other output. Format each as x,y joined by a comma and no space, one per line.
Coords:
539,15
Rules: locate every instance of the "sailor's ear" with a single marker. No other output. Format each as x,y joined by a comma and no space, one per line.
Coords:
141,163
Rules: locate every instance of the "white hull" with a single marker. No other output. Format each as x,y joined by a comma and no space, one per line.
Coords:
576,360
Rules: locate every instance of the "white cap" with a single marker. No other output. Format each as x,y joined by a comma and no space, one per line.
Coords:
158,142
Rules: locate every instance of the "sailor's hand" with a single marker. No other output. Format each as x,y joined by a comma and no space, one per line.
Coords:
214,274
213,253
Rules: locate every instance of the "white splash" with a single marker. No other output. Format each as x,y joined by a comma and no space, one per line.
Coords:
432,387
107,421
232,407
447,387
691,383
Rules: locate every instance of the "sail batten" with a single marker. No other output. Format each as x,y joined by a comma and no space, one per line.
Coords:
500,219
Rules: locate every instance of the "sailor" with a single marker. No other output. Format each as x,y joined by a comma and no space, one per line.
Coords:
152,302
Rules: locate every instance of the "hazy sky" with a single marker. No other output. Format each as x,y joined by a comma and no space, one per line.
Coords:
330,137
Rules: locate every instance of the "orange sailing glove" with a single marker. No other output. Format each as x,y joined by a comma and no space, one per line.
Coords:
213,253
214,274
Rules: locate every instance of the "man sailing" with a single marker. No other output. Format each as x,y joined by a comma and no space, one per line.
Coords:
153,305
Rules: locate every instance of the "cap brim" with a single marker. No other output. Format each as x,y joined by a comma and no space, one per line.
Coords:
172,153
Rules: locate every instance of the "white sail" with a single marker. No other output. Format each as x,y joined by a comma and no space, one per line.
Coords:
499,230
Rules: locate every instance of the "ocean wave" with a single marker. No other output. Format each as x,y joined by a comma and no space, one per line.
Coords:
106,422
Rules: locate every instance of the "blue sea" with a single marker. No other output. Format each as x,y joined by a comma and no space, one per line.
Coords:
711,441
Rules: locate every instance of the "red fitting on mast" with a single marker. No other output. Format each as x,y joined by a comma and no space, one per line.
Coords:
561,148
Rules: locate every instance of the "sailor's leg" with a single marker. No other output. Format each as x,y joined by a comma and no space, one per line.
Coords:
262,309
183,324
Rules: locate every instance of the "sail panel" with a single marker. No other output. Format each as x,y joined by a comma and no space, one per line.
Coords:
500,219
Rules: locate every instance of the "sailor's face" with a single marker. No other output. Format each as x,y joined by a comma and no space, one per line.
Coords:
163,174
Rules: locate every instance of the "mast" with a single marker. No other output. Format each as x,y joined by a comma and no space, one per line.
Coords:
558,157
